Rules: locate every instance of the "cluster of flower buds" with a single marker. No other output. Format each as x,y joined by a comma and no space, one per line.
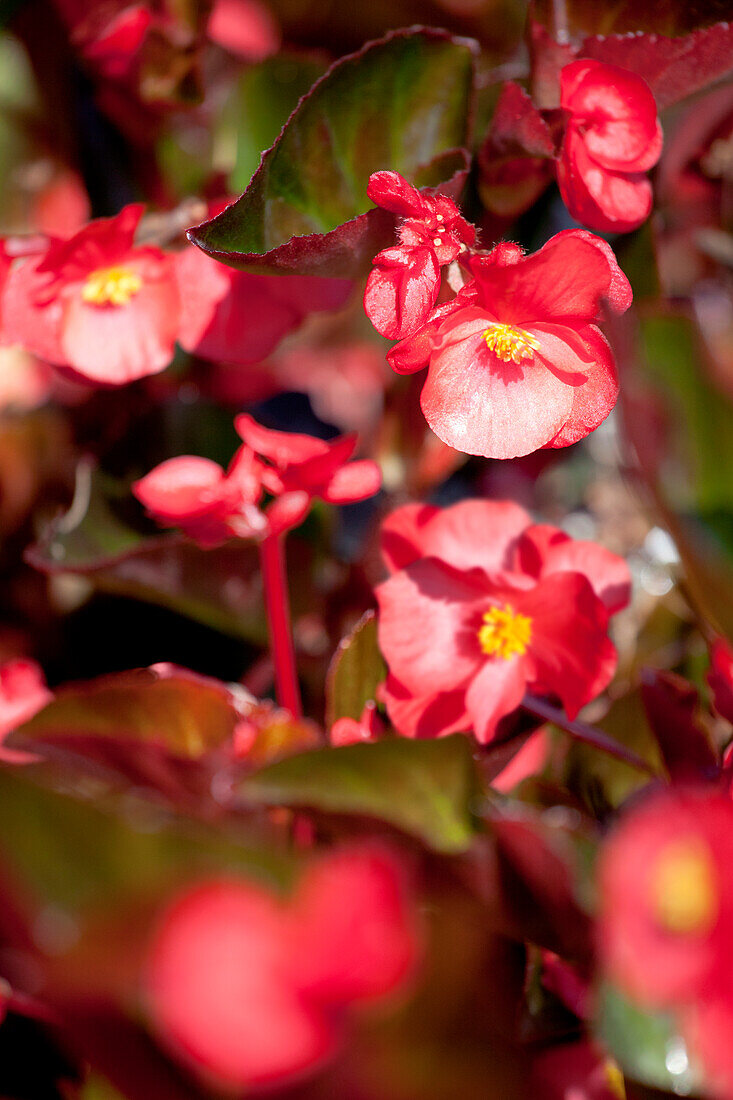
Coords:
211,505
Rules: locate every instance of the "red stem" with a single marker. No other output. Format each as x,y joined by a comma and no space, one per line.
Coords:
277,605
581,731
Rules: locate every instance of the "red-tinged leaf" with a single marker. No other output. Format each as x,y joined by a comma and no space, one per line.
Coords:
672,708
529,874
425,788
673,68
356,670
157,728
220,587
400,103
515,160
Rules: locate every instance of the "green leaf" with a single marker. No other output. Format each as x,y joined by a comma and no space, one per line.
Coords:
400,103
74,853
265,95
647,1045
355,671
220,587
422,787
187,714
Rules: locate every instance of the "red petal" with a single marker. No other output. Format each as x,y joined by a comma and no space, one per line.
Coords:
618,114
496,690
179,488
571,277
428,625
562,351
474,534
481,405
101,243
543,550
611,202
424,716
36,328
401,534
356,935
288,511
221,987
282,448
575,659
390,191
401,290
593,401
356,481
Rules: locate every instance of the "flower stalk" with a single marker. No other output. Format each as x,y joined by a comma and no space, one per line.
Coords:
277,606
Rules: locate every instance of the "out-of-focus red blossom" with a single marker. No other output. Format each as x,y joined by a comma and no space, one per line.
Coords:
95,304
666,917
611,140
211,505
403,286
248,990
482,607
23,693
575,1071
302,464
234,317
207,503
111,40
244,27
352,731
720,678
516,360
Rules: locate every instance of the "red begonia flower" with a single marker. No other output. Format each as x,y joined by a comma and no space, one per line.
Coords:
516,361
481,607
234,317
221,990
245,27
487,640
23,693
95,304
208,505
666,900
612,139
302,463
249,990
403,286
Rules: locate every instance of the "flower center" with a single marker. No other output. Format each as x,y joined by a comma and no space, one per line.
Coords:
509,343
684,889
505,633
111,286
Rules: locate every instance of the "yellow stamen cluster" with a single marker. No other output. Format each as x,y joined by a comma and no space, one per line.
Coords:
111,286
509,343
505,633
684,892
